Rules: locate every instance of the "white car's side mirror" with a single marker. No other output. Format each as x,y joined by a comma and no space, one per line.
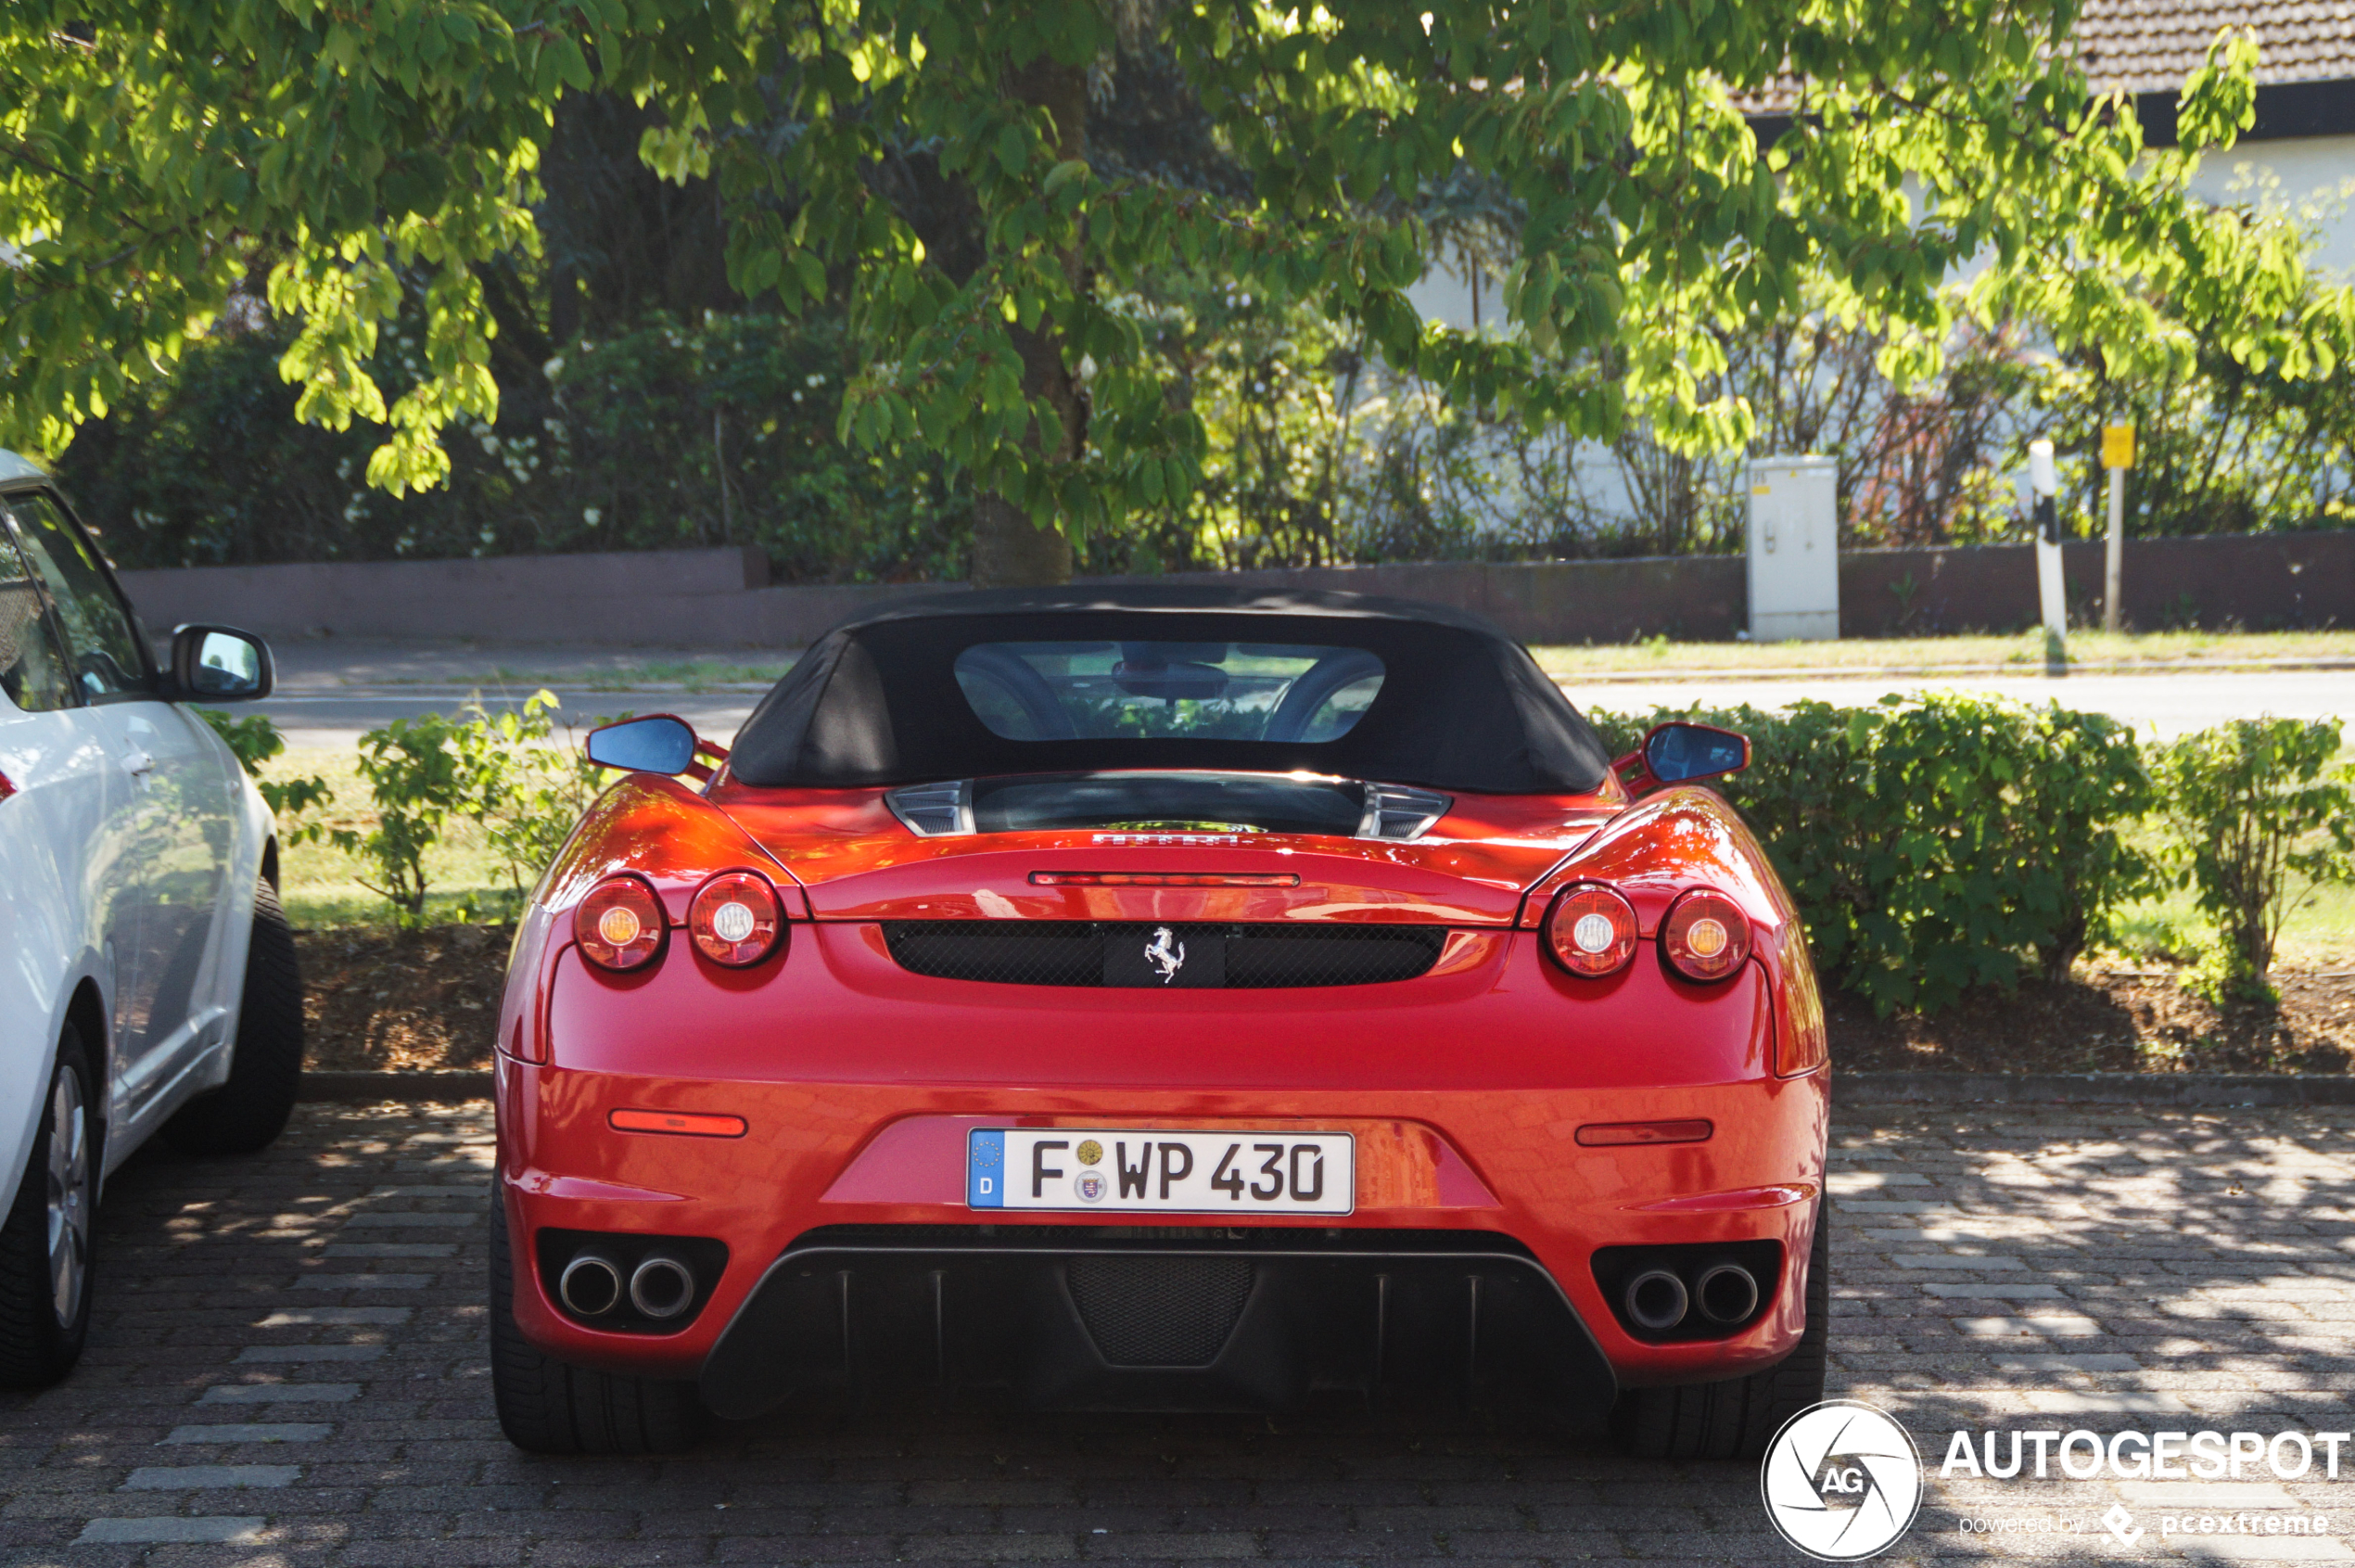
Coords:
219,664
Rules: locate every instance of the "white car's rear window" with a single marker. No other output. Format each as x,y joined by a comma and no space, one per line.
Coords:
31,672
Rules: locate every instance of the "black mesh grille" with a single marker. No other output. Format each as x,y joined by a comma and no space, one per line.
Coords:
1048,954
1160,1311
1080,952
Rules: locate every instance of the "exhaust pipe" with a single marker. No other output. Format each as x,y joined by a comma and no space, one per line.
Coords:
1656,1300
1727,1293
591,1284
662,1286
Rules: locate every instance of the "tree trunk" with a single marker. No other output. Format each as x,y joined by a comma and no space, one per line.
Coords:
1008,550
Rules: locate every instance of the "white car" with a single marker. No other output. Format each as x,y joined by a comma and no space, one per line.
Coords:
147,979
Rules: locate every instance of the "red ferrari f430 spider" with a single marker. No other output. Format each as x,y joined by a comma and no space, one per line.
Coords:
1157,999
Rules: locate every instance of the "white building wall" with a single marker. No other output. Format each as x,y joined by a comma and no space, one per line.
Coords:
2312,177
2295,175
1446,294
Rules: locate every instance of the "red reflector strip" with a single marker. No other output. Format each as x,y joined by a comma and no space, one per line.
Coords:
1163,879
682,1122
1603,1135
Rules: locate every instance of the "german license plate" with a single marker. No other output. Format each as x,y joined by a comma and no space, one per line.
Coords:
1117,1170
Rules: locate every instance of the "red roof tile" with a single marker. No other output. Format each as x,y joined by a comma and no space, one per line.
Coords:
2151,45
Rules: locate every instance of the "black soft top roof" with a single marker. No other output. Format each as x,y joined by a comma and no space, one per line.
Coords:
1462,707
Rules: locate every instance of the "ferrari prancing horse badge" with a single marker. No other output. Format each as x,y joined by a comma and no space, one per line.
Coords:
1166,954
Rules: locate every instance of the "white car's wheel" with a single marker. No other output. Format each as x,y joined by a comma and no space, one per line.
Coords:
45,1244
245,1114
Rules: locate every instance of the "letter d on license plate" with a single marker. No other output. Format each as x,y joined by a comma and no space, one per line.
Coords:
1117,1170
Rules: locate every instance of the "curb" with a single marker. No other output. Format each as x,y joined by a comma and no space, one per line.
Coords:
436,1088
2113,1089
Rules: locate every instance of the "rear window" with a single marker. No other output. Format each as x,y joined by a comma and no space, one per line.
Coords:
1209,691
32,672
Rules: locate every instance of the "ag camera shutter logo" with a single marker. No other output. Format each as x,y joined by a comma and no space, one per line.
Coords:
1842,1480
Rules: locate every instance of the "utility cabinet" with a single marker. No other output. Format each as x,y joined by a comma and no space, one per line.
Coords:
1794,548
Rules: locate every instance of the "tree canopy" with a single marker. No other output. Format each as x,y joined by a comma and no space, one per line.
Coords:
995,187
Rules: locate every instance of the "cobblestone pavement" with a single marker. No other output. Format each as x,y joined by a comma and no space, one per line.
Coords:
288,1370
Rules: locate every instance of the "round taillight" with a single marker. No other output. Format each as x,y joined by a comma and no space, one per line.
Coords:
619,926
1706,935
1591,930
734,919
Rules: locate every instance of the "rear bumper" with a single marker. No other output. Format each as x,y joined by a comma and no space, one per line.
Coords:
1081,1317
1466,1091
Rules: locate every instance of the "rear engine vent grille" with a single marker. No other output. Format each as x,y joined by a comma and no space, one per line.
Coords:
1397,811
936,810
1160,1311
1138,953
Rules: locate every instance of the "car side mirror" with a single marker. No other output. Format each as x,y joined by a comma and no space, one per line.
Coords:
1679,753
220,664
657,744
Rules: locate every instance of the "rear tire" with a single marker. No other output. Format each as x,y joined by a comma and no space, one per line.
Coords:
265,1067
49,1240
1735,1419
546,1407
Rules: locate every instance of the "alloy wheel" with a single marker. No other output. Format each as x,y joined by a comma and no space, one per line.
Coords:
69,1197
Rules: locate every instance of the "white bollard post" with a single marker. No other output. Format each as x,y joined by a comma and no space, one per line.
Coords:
2043,484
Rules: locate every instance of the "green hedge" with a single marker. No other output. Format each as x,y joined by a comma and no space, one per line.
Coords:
2262,817
1933,844
676,433
1938,842
1942,841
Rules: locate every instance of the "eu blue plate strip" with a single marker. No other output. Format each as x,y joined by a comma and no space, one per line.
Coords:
985,1170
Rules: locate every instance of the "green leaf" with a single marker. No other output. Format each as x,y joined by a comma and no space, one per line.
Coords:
810,273
572,66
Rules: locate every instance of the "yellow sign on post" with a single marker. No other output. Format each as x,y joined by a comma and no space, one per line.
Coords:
2118,455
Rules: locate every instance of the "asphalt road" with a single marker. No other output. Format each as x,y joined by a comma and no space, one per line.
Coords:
288,1370
330,691
338,720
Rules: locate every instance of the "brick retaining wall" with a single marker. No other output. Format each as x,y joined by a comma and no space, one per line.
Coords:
723,598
